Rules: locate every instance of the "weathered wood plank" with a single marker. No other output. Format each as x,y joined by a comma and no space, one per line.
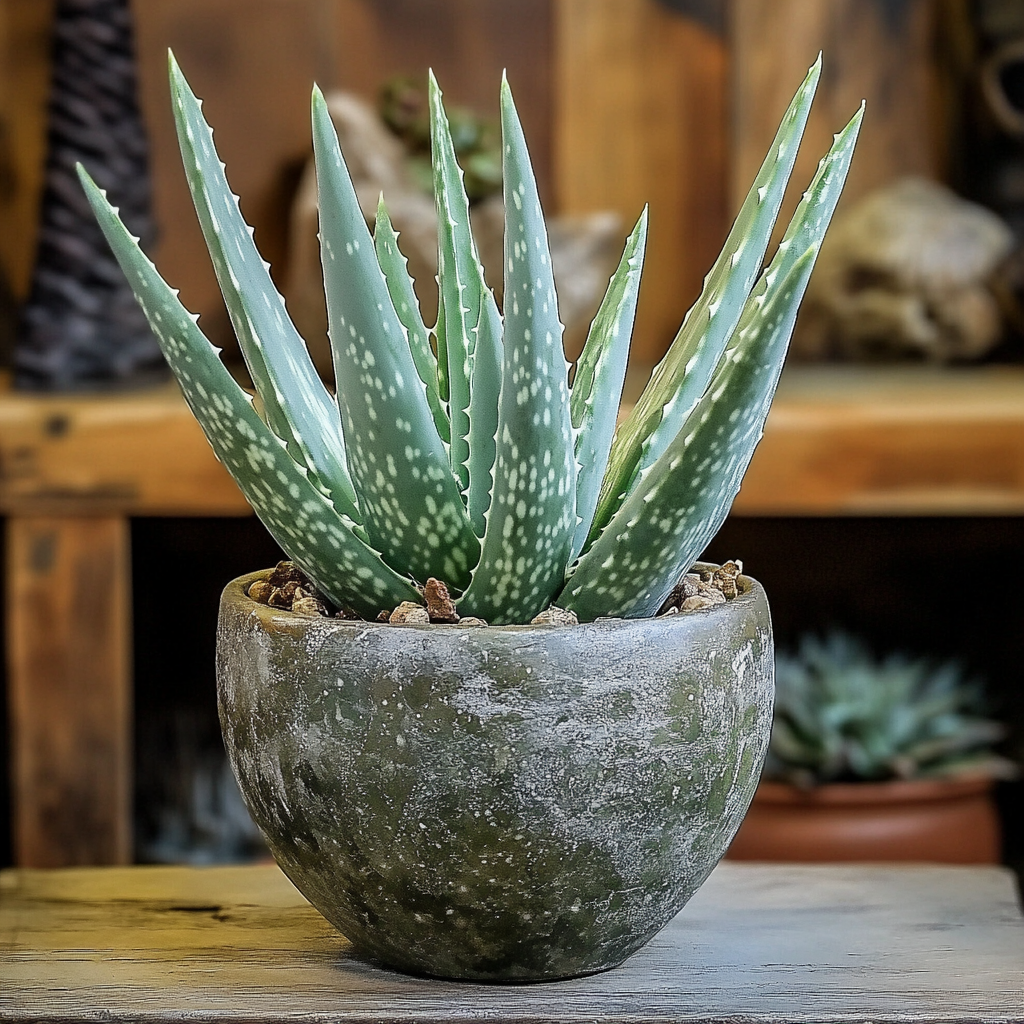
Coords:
891,441
69,687
137,453
640,116
758,943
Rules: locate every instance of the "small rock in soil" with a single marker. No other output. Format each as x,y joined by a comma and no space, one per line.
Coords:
472,620
308,606
408,613
440,606
555,616
260,591
686,587
383,615
286,572
705,589
347,613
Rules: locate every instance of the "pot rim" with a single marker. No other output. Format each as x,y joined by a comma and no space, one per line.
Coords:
889,791
275,618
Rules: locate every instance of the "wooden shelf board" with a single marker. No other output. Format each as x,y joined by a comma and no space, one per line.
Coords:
140,453
891,441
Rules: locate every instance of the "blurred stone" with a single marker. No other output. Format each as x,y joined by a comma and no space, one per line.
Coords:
904,274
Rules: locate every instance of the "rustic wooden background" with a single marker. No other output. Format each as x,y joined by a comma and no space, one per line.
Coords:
624,101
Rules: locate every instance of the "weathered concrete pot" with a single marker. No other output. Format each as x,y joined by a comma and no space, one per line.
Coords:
497,803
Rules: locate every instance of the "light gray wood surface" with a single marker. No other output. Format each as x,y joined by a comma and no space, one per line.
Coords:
758,943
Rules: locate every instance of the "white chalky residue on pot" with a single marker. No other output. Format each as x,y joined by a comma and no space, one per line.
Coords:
463,764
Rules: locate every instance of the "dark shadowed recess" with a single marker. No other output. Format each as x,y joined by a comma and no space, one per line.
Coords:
940,587
179,568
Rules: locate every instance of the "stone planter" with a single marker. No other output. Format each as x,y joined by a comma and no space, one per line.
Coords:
951,821
497,803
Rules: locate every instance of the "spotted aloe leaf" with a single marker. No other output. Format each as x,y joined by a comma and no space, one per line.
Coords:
469,323
532,514
410,500
682,376
298,407
600,371
681,501
403,297
295,511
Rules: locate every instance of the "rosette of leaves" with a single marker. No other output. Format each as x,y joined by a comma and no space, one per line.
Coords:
461,452
842,715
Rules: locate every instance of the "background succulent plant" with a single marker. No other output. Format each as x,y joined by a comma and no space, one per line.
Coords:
462,452
843,715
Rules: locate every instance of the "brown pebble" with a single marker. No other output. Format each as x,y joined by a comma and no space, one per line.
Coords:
287,572
472,620
308,606
555,616
346,613
408,613
672,609
440,606
710,591
282,597
260,591
383,615
701,601
686,587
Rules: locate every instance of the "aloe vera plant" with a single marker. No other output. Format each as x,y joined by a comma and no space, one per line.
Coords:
461,452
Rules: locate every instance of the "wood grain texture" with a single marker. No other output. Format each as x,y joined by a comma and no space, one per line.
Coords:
757,943
24,89
891,441
69,689
137,453
872,49
641,116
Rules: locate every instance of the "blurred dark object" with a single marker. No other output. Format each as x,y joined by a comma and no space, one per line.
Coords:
584,249
982,59
905,274
709,13
405,109
81,327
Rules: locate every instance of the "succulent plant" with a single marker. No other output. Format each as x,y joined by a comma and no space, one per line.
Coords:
842,715
462,453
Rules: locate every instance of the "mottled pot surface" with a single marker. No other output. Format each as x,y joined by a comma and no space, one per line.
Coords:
503,803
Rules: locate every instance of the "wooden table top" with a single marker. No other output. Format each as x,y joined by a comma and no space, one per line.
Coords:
758,943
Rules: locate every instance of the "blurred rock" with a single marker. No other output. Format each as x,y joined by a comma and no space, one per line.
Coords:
905,274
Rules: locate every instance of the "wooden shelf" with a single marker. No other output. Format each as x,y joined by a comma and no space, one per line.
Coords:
136,454
891,441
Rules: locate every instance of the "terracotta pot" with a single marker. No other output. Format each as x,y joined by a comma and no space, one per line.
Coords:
952,821
501,803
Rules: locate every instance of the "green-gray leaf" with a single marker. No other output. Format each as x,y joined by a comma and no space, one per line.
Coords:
600,371
681,501
532,516
411,503
682,376
403,297
298,407
297,514
468,319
